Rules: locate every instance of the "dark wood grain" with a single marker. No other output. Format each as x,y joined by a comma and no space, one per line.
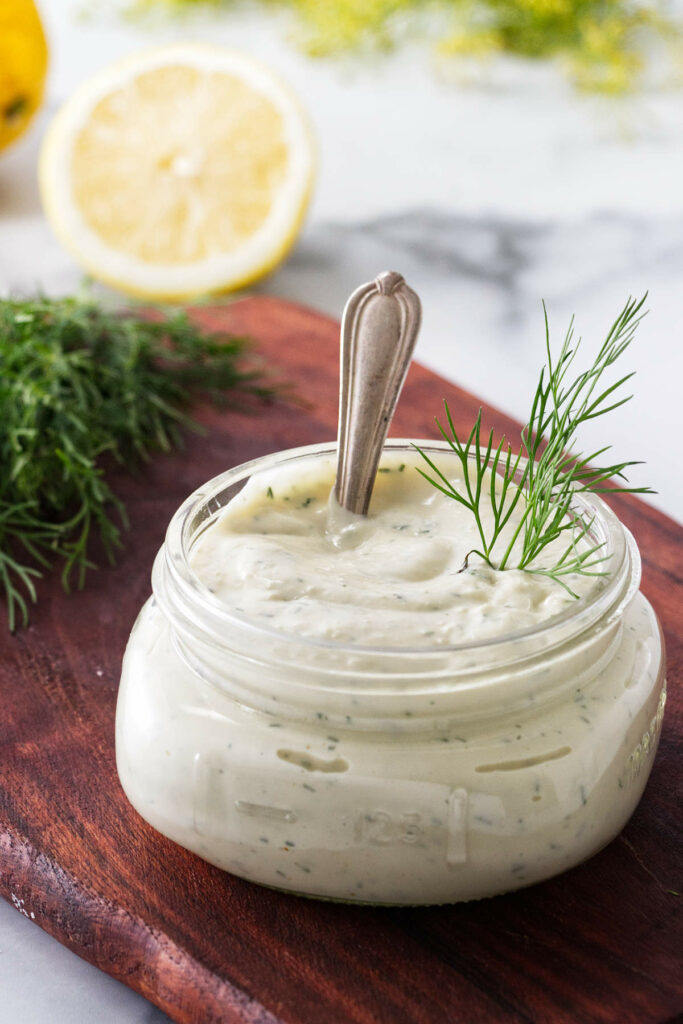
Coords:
601,943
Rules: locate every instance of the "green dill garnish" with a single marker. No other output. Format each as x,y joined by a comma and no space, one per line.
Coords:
603,45
79,385
269,492
544,477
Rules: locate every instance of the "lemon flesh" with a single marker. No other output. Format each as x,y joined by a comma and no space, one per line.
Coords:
180,171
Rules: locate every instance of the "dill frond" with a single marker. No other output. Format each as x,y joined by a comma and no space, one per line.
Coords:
543,478
603,45
78,383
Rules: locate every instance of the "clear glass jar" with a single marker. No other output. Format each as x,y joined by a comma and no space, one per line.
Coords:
393,775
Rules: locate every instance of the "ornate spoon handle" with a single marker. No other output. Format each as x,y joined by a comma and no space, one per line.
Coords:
379,329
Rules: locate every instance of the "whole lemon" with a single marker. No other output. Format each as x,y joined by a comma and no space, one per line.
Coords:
23,63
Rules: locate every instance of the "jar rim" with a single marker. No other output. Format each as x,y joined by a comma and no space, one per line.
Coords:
198,605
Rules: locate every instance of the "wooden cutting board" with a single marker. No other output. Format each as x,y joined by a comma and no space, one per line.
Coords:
601,943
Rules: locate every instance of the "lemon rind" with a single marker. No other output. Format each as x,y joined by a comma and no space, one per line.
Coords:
217,273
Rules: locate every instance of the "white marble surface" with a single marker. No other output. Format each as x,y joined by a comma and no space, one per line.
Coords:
488,197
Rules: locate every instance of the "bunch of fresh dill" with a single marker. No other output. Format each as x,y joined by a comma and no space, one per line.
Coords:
544,477
602,43
78,383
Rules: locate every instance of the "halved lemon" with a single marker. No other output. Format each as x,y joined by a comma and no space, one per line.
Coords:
179,171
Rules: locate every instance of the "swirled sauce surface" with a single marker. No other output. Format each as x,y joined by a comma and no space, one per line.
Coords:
282,553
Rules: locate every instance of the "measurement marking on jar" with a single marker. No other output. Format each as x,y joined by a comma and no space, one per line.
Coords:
382,828
456,848
265,811
647,743
211,799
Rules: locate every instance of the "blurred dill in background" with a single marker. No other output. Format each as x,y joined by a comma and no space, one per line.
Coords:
602,44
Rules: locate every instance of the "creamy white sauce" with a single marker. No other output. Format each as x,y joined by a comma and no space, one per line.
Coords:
281,553
472,802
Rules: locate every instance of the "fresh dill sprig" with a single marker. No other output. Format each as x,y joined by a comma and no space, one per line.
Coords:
604,46
79,385
544,477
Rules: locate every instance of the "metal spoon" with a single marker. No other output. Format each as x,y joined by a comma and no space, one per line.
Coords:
378,334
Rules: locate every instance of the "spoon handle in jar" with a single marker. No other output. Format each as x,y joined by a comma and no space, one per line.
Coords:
378,334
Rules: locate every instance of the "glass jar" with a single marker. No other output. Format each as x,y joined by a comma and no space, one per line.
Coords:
387,775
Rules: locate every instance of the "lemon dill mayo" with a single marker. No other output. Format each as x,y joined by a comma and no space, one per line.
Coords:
351,708
282,552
